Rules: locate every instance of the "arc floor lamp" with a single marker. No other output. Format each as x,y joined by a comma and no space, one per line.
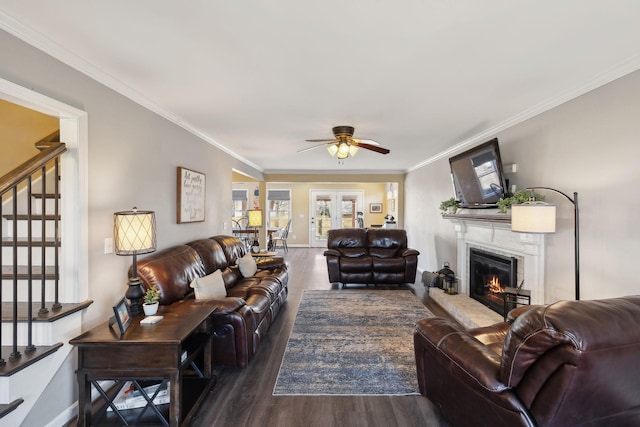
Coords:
540,217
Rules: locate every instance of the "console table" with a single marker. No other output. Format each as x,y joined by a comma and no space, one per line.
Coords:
170,350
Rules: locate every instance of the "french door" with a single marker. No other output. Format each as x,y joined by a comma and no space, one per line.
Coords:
332,209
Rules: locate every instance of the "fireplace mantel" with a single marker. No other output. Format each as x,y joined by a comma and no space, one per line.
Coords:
492,232
490,218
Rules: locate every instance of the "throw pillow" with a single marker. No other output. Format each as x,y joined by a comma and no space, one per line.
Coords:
209,287
247,265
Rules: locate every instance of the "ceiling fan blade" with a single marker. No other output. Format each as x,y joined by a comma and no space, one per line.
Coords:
319,140
314,147
365,141
375,148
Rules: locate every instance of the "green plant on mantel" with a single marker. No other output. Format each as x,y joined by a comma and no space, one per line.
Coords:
152,295
450,204
517,198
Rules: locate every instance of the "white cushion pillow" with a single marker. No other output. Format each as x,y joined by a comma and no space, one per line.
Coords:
209,287
247,265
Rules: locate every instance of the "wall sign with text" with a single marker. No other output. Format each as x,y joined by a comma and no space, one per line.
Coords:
191,192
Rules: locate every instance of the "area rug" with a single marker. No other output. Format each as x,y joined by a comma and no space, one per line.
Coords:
352,342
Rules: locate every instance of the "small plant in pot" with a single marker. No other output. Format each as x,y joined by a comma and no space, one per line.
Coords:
449,206
519,197
151,301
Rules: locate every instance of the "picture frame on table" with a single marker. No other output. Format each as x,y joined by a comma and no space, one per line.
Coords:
192,186
122,315
375,207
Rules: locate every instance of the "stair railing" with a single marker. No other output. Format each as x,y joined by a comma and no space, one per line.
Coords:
9,185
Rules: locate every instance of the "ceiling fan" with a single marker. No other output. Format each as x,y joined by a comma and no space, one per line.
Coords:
344,144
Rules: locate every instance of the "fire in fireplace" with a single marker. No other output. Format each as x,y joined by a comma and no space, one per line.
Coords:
489,275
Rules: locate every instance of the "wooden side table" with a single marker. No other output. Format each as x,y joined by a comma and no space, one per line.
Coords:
168,350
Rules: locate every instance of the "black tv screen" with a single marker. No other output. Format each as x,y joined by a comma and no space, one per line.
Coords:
477,175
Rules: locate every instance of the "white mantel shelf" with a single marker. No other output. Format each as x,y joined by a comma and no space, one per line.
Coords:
499,218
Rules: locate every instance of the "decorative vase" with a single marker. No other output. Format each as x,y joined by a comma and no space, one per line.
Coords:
451,210
150,309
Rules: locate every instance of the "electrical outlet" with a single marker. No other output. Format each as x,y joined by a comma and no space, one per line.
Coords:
294,237
224,225
108,245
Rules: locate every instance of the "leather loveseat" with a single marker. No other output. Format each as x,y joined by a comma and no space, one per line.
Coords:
370,256
243,317
565,364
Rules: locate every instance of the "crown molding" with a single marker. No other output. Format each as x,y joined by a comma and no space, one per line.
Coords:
62,54
620,70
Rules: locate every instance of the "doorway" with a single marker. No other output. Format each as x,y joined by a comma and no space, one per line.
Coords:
332,209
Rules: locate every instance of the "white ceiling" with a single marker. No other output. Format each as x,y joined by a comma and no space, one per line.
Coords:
257,78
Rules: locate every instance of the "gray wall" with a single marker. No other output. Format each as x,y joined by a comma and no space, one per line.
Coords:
133,156
589,145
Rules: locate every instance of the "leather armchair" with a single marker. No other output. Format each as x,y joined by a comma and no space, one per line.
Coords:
565,364
376,256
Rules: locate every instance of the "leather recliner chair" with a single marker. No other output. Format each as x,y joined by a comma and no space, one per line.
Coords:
565,364
374,256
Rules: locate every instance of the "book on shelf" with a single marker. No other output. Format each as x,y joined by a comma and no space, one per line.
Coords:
130,398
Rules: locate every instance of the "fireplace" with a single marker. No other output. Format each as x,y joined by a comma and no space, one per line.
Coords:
489,275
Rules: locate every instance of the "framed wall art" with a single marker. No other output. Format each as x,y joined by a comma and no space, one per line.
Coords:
191,195
375,207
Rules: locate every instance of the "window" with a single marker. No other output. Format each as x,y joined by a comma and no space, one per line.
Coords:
240,202
279,202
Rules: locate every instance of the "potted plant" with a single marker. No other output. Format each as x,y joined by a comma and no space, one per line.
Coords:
449,206
151,302
519,197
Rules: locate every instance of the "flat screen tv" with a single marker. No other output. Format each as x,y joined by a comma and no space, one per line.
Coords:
478,179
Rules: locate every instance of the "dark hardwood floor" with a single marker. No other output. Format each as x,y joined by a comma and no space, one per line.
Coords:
243,397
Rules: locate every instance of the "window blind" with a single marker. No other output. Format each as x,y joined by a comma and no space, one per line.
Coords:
279,195
239,195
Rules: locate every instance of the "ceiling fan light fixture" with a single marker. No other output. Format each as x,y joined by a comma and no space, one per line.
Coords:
333,149
343,150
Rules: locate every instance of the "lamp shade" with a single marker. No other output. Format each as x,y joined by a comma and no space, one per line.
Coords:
134,232
255,218
533,218
333,149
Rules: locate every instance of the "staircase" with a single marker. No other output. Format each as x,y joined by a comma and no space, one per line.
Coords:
35,326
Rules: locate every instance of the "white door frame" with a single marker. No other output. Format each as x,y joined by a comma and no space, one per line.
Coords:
74,225
336,201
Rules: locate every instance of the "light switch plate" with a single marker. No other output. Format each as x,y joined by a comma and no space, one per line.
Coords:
108,245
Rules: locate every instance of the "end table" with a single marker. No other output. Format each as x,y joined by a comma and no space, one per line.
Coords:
166,351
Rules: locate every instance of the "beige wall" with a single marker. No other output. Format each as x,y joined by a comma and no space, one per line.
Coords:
20,129
374,187
589,145
300,204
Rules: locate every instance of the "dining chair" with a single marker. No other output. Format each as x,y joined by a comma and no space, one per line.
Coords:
281,238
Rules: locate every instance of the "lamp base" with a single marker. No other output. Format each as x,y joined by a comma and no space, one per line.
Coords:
134,294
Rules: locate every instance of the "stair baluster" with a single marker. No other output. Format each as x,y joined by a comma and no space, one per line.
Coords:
15,354
43,308
30,347
56,240
2,361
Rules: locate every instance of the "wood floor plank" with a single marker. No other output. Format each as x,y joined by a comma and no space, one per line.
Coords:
243,397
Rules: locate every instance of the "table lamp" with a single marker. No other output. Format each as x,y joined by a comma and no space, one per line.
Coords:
255,221
134,232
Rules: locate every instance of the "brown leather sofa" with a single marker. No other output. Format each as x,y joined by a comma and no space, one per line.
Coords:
242,318
565,364
373,256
